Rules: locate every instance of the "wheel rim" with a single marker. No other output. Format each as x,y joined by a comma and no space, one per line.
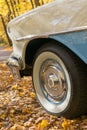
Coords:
53,102
53,81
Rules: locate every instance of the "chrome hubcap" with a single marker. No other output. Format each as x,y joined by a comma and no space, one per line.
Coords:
53,80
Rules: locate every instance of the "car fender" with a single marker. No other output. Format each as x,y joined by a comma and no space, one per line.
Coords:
75,41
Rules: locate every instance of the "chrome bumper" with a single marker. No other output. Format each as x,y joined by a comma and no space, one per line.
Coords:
15,66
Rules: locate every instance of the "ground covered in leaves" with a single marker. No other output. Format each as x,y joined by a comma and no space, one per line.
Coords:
20,110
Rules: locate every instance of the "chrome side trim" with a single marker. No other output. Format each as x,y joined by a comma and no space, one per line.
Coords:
75,29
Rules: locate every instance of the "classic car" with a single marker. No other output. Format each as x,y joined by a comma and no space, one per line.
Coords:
50,43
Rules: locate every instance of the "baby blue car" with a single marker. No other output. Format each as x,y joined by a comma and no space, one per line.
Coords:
50,42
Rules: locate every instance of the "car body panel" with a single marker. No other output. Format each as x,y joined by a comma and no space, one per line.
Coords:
61,20
75,41
56,17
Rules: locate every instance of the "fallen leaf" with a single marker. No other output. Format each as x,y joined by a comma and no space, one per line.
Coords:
44,123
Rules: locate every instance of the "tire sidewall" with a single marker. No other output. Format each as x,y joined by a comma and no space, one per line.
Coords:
57,52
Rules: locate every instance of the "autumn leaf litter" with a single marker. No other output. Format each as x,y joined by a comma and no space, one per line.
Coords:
20,110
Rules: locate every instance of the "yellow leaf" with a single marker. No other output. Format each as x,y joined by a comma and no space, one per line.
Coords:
21,94
66,124
43,124
32,95
10,78
15,87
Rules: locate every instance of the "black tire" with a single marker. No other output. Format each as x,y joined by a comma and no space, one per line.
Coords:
59,79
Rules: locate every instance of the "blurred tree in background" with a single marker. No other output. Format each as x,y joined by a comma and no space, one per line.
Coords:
10,9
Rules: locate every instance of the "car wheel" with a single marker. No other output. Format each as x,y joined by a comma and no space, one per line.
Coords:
58,79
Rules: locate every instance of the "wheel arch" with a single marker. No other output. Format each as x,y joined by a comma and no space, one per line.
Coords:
33,46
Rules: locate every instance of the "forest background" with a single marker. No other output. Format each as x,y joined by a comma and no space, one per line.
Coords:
10,9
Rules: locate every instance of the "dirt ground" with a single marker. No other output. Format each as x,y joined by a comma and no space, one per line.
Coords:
5,51
20,110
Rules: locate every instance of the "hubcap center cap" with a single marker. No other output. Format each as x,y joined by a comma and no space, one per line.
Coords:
52,81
